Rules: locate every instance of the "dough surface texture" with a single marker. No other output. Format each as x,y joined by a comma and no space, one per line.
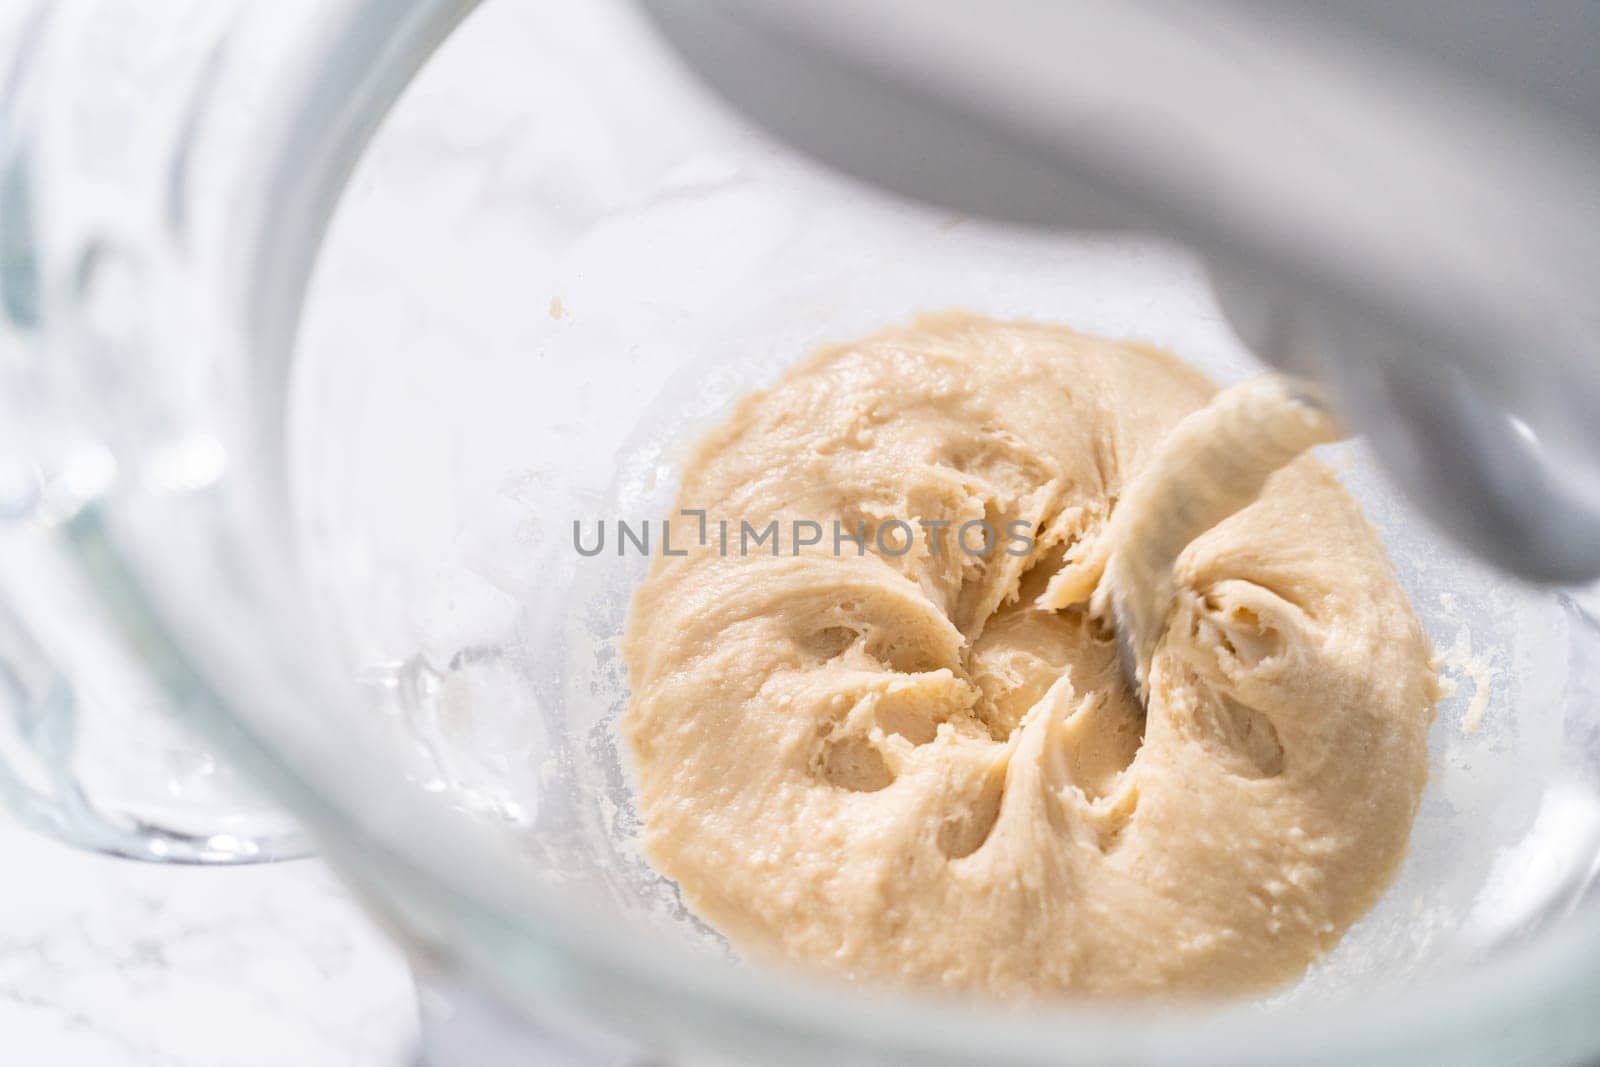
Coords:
925,768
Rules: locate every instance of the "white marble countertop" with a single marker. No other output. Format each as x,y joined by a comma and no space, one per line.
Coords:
122,964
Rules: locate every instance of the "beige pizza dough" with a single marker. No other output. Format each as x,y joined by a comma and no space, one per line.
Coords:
926,769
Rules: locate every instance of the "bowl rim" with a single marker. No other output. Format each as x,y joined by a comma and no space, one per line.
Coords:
447,891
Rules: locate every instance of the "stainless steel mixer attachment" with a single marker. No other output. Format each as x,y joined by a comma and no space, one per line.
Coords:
1400,201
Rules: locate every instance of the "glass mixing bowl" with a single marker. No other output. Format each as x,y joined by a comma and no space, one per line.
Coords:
314,353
